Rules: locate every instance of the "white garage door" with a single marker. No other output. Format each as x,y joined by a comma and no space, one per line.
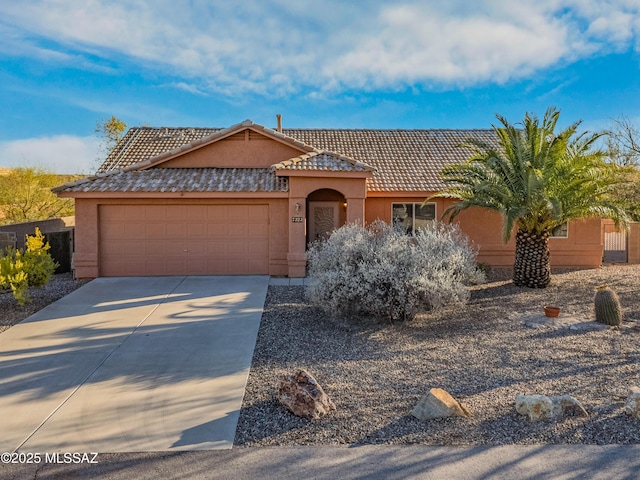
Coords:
183,240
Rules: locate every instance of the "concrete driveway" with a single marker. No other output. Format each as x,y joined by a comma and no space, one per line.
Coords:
131,365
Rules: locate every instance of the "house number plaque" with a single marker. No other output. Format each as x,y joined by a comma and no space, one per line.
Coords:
297,219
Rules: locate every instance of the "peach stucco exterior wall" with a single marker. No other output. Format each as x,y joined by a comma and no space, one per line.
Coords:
354,191
86,257
242,150
583,248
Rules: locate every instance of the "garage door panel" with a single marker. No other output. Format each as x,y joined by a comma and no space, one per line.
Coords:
155,230
175,247
197,248
115,247
217,230
196,230
116,231
176,213
113,213
136,230
257,230
175,230
238,248
216,215
237,229
134,215
155,246
183,239
138,249
257,248
258,214
257,264
236,211
197,213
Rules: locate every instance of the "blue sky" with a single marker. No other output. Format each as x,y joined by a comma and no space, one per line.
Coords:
65,64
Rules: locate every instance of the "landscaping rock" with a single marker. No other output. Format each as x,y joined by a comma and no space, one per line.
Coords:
536,407
633,403
568,406
303,396
541,407
439,403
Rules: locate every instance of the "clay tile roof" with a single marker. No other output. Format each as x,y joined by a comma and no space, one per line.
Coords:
143,143
401,160
147,144
404,160
182,180
323,160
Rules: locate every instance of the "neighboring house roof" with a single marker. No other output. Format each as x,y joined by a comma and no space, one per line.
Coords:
400,160
183,180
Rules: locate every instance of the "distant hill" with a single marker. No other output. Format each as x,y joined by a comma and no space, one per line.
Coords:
4,171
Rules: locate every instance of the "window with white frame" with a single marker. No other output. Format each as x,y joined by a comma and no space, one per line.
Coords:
561,231
412,216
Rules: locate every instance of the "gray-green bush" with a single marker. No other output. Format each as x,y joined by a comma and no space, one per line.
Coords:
382,272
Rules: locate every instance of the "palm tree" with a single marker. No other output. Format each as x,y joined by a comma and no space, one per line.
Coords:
538,180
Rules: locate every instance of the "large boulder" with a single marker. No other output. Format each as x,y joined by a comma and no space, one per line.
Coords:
541,407
633,403
303,396
439,403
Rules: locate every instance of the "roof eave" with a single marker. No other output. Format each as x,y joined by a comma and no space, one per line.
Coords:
324,173
181,194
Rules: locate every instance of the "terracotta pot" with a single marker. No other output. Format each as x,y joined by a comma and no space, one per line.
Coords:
552,312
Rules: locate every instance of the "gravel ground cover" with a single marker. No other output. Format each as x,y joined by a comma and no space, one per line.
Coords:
481,353
11,313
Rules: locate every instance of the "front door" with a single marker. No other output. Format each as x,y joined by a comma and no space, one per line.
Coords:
324,218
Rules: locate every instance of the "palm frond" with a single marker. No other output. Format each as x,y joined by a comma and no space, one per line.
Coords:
534,177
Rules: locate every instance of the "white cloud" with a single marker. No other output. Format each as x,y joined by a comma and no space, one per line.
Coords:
187,87
280,47
59,153
415,44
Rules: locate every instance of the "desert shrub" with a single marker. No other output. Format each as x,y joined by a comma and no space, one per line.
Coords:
383,272
39,265
28,267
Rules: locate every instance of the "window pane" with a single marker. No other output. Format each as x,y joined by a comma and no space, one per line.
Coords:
561,231
425,214
403,216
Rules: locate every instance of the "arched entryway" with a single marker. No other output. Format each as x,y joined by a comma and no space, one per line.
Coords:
326,211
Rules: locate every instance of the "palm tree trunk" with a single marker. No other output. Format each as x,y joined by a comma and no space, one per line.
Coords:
532,267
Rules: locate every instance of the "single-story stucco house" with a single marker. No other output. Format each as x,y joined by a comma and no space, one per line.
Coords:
249,199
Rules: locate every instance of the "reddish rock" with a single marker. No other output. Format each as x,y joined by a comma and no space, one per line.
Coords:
303,395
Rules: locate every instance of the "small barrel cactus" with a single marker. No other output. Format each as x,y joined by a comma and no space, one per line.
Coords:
608,309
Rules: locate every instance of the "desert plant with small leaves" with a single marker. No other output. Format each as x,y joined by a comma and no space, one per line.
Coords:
380,271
